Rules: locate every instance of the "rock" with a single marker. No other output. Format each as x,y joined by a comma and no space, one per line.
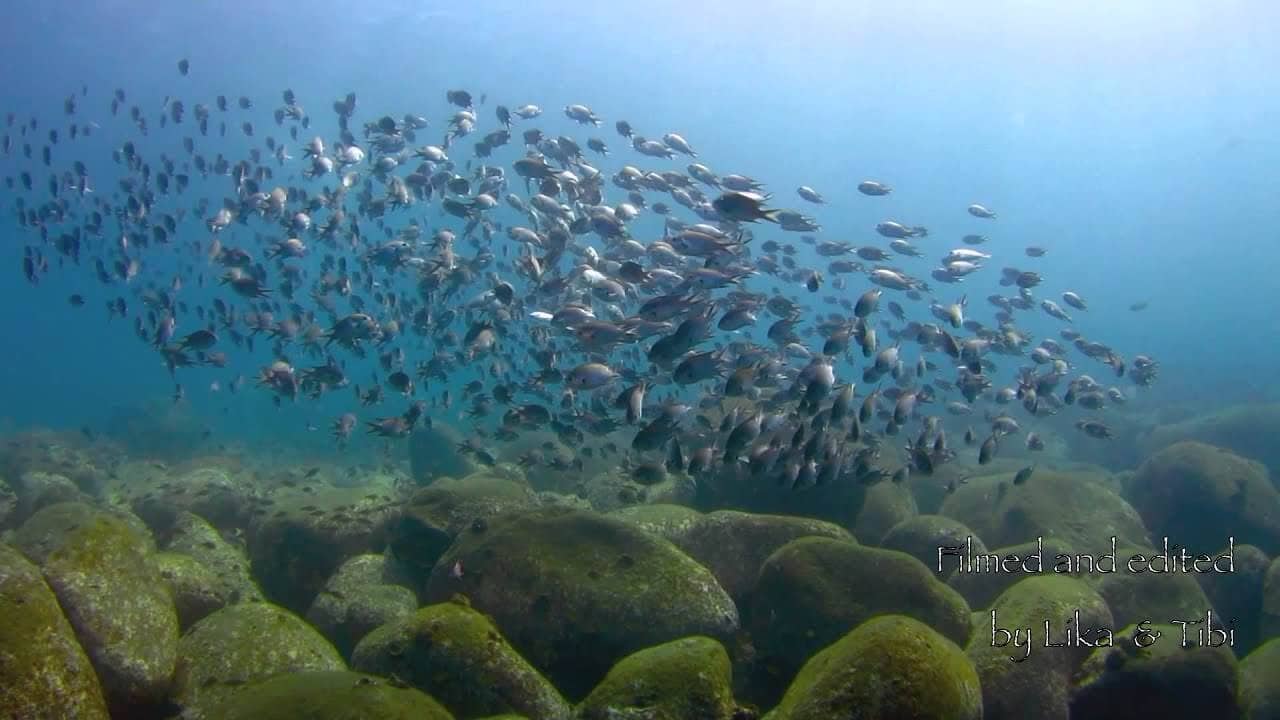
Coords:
921,537
1238,595
102,571
332,695
813,591
734,545
243,644
1165,680
366,592
731,486
8,506
1039,686
1196,494
36,490
672,522
888,667
886,505
686,678
1079,510
434,515
195,589
457,656
1260,682
1247,430
980,588
1270,622
194,537
297,547
55,453
575,592
1135,597
433,454
44,673
222,496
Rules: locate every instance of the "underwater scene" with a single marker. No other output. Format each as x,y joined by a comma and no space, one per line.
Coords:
652,361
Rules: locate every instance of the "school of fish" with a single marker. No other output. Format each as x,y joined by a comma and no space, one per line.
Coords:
503,263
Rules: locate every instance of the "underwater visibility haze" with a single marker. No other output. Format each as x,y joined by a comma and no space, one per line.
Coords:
417,359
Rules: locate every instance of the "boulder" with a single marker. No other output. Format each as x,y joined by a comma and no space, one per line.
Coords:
457,656
890,667
686,678
575,591
44,673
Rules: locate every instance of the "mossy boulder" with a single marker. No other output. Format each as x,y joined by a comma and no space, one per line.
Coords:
37,489
1197,494
44,673
433,516
1147,596
194,537
195,589
1040,685
59,454
1238,594
8,506
686,678
1260,682
309,534
1166,680
366,592
1247,430
331,695
981,587
886,505
242,644
158,494
433,454
575,591
102,570
890,667
1081,510
814,590
672,522
734,545
1270,621
922,536
457,656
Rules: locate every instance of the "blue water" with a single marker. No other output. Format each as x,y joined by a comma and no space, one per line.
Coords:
1136,141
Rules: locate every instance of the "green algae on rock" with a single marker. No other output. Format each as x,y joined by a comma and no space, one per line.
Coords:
980,589
576,591
687,678
1260,682
1270,620
1165,680
297,547
434,515
886,505
366,592
922,536
246,643
457,656
195,537
195,589
222,496
44,672
327,695
814,590
1135,597
734,545
890,667
1198,494
1079,509
672,522
1040,685
1238,595
101,568
1247,430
